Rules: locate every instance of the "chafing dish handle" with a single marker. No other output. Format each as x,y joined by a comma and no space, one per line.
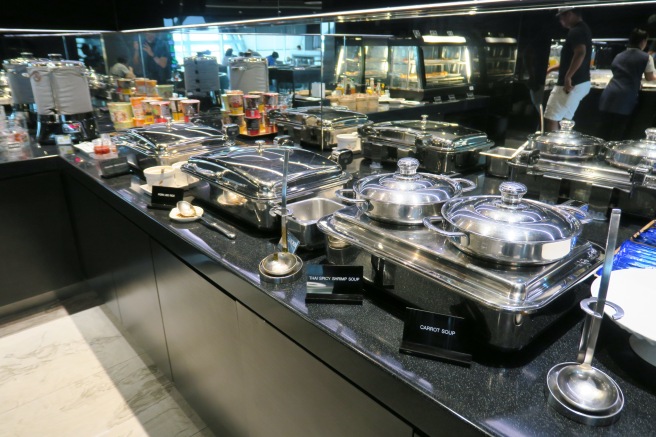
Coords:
467,184
576,212
340,194
428,222
192,166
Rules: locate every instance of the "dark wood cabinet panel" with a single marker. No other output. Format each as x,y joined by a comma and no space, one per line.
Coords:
201,331
38,245
290,393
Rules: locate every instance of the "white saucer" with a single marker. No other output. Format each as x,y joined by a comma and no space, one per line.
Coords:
175,215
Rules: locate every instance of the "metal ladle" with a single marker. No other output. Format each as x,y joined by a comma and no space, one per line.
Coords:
579,390
281,263
187,210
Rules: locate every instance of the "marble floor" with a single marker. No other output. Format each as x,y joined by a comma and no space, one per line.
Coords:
66,370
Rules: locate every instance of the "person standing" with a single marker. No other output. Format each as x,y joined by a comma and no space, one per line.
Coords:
226,58
156,59
573,70
120,69
272,58
620,97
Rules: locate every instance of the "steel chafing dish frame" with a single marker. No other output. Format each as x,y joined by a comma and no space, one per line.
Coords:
245,182
317,125
440,147
510,305
629,184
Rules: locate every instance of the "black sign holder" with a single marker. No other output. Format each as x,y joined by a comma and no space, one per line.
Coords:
436,336
165,197
334,284
113,167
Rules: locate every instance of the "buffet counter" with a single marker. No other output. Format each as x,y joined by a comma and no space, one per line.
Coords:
311,369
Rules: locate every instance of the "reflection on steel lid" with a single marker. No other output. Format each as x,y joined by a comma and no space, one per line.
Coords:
427,133
407,187
257,172
566,136
645,147
508,217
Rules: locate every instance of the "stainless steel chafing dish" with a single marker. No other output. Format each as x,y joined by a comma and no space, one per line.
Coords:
316,125
168,143
618,174
508,306
565,144
440,147
631,154
246,181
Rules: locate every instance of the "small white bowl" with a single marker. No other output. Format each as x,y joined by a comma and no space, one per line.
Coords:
160,175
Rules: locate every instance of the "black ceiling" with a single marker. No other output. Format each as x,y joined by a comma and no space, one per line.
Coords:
131,14
134,14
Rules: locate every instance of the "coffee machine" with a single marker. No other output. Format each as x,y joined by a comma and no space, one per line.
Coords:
63,100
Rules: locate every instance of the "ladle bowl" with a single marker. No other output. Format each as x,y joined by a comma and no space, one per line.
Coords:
279,263
587,388
584,394
186,209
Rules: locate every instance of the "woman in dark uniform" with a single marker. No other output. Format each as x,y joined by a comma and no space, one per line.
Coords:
620,97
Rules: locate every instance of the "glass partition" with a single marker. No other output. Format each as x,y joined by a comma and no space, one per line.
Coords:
336,60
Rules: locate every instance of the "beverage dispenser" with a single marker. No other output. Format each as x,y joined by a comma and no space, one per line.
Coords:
22,97
202,79
63,100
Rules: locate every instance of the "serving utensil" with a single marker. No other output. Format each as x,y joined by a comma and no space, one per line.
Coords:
188,211
578,390
282,266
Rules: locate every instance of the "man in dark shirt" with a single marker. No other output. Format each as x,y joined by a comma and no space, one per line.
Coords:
157,59
573,71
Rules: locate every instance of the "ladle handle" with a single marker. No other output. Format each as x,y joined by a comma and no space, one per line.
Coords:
283,217
594,318
611,243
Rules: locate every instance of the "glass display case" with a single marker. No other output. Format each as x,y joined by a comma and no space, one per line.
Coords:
375,60
432,66
349,60
500,58
362,59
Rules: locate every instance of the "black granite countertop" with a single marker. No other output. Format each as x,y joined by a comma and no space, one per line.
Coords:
496,395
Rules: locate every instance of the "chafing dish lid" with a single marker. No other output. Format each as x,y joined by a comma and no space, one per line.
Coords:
169,138
645,148
566,136
427,133
25,58
256,172
320,116
201,57
407,187
510,218
55,60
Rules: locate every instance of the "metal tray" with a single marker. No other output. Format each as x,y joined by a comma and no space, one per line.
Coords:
510,305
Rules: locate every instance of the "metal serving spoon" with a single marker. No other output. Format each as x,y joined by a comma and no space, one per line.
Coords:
282,263
187,210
